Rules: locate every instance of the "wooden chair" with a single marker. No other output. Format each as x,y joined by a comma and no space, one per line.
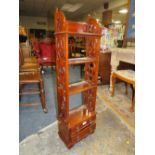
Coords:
29,73
128,76
47,54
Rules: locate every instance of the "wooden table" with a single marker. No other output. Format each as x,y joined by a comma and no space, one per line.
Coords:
121,54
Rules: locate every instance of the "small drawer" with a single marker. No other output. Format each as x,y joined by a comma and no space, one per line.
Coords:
82,125
83,133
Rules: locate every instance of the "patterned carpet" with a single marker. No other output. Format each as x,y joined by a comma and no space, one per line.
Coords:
120,103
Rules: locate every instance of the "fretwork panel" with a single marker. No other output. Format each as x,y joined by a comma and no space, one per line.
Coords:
91,74
62,78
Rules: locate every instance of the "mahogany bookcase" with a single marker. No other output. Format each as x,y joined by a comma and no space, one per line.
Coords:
76,124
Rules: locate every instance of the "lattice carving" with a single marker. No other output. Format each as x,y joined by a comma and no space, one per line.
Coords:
92,46
60,21
61,77
89,99
93,26
60,47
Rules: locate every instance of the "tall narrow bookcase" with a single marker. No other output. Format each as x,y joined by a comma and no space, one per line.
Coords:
76,124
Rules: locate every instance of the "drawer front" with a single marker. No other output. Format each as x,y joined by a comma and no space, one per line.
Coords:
83,133
83,125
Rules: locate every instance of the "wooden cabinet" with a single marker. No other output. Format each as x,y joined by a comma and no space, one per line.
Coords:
79,122
105,67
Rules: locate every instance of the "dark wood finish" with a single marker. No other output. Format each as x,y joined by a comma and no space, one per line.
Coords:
76,124
75,61
105,67
107,17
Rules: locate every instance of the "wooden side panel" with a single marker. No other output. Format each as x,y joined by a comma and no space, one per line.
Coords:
61,66
76,27
91,70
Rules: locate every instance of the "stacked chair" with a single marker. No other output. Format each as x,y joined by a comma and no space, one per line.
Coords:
44,51
29,73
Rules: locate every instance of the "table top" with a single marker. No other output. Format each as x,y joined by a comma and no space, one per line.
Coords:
128,49
122,54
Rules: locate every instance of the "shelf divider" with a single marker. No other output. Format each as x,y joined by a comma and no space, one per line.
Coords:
74,61
80,86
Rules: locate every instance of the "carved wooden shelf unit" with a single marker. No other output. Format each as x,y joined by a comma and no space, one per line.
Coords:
77,123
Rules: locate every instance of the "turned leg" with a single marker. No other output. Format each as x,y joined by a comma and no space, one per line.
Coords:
113,85
133,100
42,95
113,69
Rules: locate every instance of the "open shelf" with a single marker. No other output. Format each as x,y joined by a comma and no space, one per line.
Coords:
74,61
79,33
79,87
78,46
79,115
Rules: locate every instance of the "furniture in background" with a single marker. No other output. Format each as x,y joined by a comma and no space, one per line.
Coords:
125,54
44,51
29,73
76,124
47,54
26,49
127,76
105,67
121,54
35,47
77,46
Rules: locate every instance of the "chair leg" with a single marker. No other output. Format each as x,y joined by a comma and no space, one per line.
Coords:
20,90
42,95
126,88
113,85
133,101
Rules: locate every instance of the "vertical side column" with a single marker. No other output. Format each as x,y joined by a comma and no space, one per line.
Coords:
61,40
91,70
62,76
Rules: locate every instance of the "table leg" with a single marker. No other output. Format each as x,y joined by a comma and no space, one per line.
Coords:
113,68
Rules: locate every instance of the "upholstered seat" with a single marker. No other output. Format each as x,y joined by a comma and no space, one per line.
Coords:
129,74
47,54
